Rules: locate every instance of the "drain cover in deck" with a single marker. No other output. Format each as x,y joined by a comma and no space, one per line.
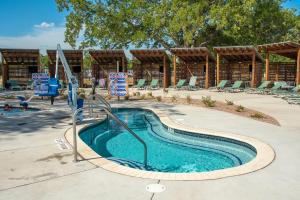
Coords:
155,188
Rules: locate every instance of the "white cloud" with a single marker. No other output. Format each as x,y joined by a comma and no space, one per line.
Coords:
39,39
44,25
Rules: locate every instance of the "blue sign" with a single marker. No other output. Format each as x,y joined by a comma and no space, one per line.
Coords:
118,84
40,83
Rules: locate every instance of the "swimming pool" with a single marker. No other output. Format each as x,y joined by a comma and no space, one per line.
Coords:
169,150
16,111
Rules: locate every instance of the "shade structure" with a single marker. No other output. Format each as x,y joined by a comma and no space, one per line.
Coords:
106,61
74,59
19,64
239,63
152,64
194,62
282,71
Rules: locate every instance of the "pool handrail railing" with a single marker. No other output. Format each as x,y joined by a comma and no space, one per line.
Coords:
116,119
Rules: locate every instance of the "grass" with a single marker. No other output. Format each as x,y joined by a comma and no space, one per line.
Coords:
208,102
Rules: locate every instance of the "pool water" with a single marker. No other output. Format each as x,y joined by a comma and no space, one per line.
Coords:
169,150
16,111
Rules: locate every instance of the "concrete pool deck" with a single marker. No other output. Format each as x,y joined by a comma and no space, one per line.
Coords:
33,167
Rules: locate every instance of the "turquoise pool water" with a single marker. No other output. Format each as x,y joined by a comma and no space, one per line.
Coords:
169,150
16,111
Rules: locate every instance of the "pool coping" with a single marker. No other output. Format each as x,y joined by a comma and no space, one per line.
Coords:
265,154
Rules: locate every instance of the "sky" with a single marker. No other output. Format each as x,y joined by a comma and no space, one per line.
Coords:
38,24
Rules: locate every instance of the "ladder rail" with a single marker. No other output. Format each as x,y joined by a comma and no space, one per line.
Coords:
116,119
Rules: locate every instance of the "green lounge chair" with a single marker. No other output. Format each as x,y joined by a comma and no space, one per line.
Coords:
180,84
154,84
260,89
277,86
14,85
236,87
140,84
220,86
192,83
283,93
29,85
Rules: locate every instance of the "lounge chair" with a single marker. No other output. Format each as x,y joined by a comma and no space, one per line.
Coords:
29,85
192,83
13,84
140,84
260,89
277,86
2,88
287,93
236,87
154,84
180,84
220,86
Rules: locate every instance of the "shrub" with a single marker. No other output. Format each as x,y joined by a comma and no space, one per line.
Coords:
165,90
240,108
149,94
108,97
257,115
208,102
158,98
143,96
188,99
9,96
80,90
82,96
138,94
126,97
228,102
133,94
174,98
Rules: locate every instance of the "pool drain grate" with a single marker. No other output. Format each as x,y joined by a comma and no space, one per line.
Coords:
155,188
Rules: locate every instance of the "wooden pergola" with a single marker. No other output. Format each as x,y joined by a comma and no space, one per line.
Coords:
239,63
154,63
282,71
194,62
19,64
107,61
74,59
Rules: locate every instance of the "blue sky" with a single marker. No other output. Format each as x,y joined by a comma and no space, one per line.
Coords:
38,24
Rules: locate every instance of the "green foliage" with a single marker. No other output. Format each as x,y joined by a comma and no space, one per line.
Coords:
208,102
177,23
87,61
44,61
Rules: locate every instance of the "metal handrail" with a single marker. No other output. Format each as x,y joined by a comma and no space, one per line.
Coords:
109,113
102,100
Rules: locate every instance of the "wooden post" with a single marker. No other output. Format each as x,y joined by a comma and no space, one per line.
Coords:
174,70
267,66
206,72
253,82
165,74
218,68
123,65
298,68
4,74
277,72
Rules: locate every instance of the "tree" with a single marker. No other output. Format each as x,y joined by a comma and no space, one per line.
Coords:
44,60
176,23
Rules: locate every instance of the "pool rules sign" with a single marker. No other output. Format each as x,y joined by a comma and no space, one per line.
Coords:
118,84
